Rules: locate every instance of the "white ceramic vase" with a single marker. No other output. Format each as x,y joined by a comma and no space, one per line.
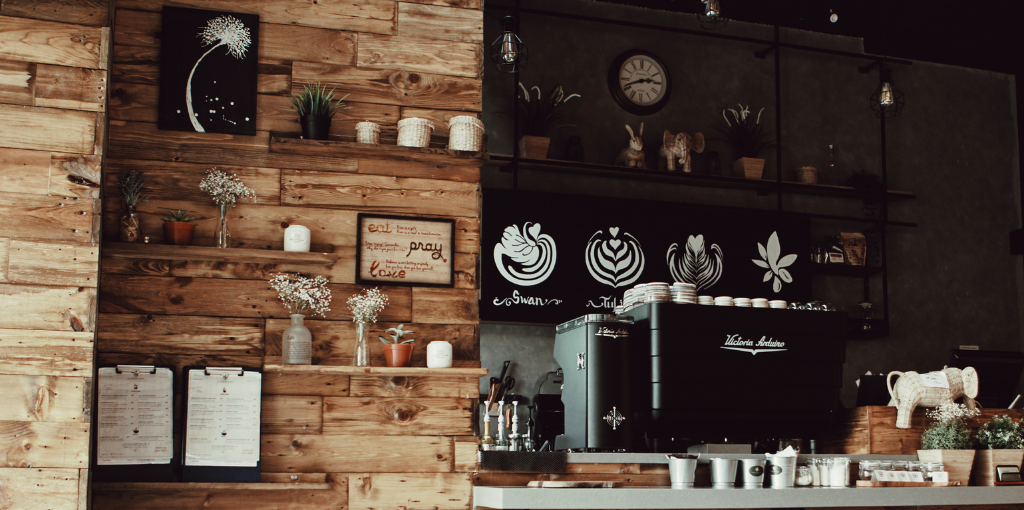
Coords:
297,343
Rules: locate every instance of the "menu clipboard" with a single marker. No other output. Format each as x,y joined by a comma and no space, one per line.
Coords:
222,424
134,424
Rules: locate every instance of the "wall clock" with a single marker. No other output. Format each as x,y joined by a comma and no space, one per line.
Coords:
639,82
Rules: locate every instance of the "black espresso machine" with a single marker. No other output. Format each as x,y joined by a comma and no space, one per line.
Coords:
664,372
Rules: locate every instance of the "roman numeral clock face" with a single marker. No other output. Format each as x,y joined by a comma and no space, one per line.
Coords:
639,82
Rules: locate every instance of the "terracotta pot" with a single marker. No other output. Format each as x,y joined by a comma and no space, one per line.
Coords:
178,232
535,147
398,355
985,462
751,168
957,462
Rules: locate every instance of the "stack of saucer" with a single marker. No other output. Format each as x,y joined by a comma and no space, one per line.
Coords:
657,292
759,302
777,303
705,300
742,301
684,293
619,310
723,301
628,299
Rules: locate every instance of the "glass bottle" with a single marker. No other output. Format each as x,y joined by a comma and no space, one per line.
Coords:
362,354
297,343
833,172
130,229
223,236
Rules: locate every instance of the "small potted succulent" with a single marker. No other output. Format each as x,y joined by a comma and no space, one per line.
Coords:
1000,442
397,352
178,228
949,440
315,106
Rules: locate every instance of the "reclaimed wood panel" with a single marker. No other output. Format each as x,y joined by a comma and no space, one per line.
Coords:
32,352
334,342
52,489
368,152
326,385
40,444
442,491
276,113
48,42
398,87
48,308
71,88
294,478
414,387
466,453
286,414
398,195
43,398
466,4
177,361
24,171
220,496
75,175
376,16
30,127
5,246
445,306
423,55
211,262
47,218
180,181
273,78
347,453
16,83
133,333
41,263
224,298
436,22
451,169
398,416
93,13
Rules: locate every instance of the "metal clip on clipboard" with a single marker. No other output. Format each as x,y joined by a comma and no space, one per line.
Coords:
135,369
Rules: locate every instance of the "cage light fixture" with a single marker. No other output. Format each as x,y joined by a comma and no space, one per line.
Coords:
711,15
887,101
508,52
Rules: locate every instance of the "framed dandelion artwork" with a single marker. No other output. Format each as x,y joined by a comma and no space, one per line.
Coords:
208,66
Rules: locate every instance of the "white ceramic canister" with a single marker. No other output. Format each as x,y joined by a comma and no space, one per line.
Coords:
439,354
296,238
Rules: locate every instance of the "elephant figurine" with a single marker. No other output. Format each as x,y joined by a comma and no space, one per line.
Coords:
911,391
677,147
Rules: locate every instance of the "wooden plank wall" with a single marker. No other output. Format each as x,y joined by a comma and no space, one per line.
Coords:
327,443
54,58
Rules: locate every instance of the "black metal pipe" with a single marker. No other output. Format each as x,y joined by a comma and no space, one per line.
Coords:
778,119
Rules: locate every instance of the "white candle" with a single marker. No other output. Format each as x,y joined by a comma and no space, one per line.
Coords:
439,354
296,238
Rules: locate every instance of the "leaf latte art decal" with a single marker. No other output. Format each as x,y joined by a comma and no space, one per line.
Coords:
776,266
613,260
531,254
697,265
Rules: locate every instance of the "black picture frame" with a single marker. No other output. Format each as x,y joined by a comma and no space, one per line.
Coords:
402,239
620,97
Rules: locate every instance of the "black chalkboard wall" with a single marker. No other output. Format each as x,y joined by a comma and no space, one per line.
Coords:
548,258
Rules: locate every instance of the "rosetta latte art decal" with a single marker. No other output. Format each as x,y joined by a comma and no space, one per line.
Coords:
697,265
613,260
531,253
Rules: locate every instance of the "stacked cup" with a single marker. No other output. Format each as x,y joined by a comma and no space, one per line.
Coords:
742,301
723,473
657,292
723,301
759,302
777,303
705,300
684,293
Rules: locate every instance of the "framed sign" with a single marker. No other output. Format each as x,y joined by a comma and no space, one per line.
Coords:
401,250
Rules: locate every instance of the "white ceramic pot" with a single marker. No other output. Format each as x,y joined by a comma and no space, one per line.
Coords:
296,238
439,354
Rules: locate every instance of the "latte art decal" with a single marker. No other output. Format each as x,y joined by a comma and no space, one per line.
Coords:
613,260
531,253
697,265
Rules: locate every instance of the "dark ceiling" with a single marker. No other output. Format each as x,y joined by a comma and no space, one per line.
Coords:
972,33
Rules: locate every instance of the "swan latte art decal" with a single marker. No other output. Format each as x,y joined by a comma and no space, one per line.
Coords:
531,253
613,260
696,265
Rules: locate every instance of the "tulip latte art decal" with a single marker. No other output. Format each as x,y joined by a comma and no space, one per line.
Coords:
695,265
614,260
531,254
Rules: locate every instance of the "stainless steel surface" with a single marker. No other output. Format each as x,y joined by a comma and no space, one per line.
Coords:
723,472
752,473
781,471
681,470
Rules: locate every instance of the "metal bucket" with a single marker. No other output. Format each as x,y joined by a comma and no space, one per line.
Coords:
781,471
723,473
752,473
681,470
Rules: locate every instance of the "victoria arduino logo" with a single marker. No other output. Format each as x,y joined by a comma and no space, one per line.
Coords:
612,333
765,344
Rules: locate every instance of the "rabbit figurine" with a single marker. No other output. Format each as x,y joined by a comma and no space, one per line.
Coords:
679,146
633,156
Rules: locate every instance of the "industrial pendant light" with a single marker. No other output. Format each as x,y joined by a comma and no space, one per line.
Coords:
711,15
508,52
887,101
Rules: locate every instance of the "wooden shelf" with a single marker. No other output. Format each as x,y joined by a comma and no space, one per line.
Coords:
844,270
346,146
213,254
381,371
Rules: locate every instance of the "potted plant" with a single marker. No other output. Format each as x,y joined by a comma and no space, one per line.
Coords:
178,228
1000,442
130,186
539,116
315,106
397,352
749,138
949,441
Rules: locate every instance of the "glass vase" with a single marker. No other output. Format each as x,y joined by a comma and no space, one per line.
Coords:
362,355
297,343
223,236
130,229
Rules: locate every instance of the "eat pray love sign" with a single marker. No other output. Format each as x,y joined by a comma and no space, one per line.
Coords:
401,250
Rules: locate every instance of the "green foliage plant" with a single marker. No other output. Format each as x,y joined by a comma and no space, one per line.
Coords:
542,113
131,189
1000,434
396,335
179,216
950,431
746,133
315,99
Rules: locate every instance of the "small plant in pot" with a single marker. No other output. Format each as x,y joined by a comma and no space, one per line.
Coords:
1000,443
397,352
538,117
749,137
950,441
178,228
315,106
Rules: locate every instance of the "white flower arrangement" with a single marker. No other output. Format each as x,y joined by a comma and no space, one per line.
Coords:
950,411
366,305
225,189
303,295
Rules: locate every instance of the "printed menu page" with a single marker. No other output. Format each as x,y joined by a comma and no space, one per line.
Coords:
134,416
222,425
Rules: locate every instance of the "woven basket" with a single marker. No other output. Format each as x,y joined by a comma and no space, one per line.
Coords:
807,174
465,133
414,132
368,132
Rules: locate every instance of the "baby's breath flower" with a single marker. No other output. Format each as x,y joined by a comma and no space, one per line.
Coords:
367,304
303,295
225,189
